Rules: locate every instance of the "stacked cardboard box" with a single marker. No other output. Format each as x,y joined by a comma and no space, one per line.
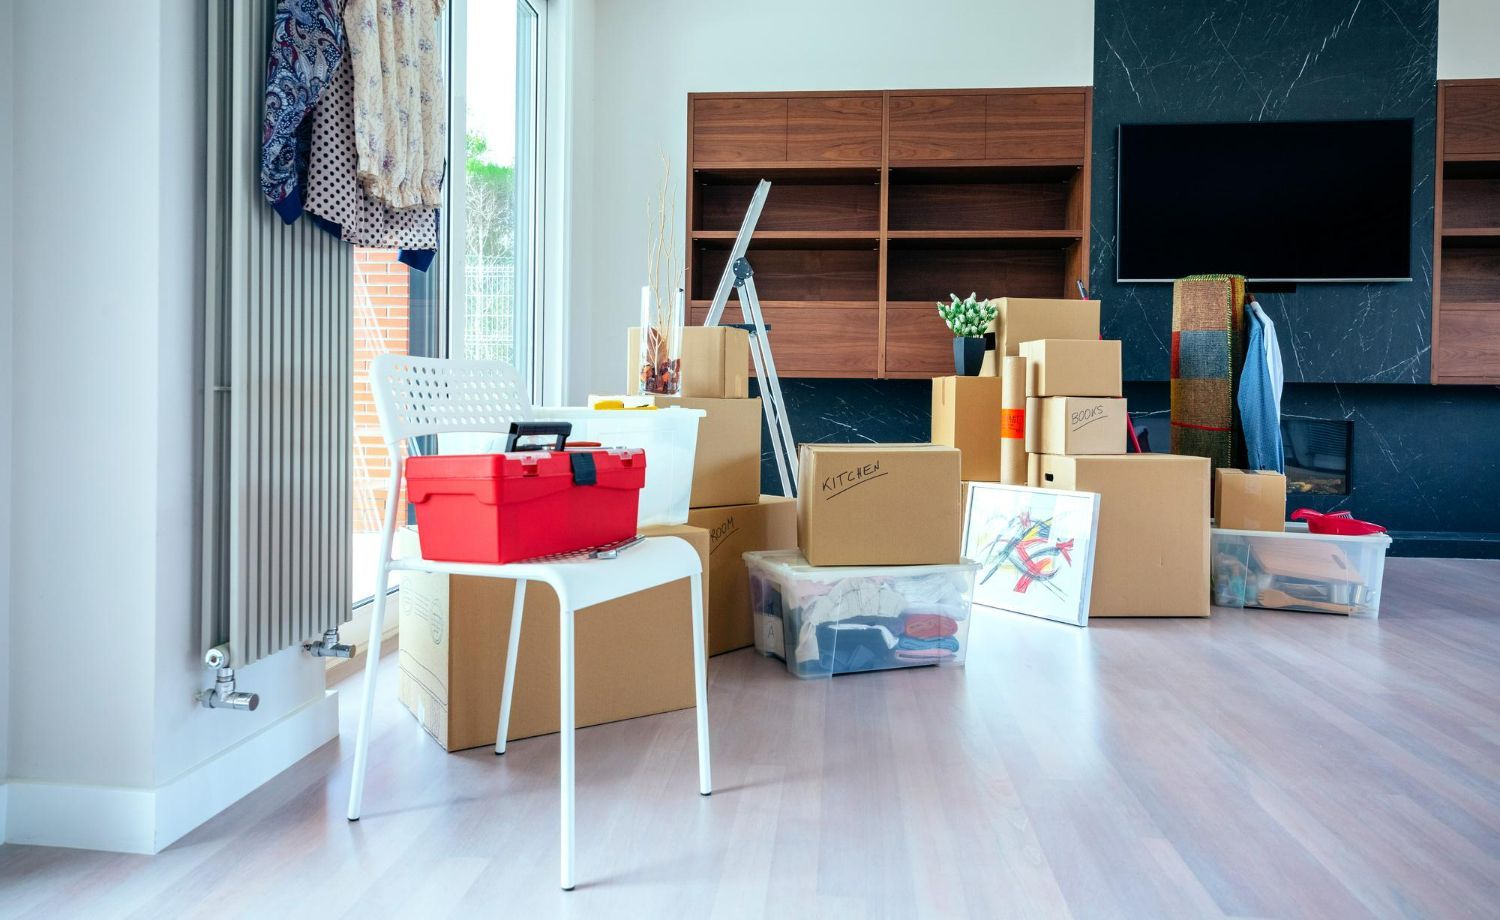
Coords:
726,499
1151,550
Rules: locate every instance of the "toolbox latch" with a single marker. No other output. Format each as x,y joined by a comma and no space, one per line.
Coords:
584,471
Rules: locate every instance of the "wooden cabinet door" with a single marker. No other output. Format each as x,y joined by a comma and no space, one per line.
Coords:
1469,345
917,342
1035,126
749,130
937,127
1471,121
838,129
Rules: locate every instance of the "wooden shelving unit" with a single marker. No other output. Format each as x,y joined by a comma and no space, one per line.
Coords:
1466,251
884,202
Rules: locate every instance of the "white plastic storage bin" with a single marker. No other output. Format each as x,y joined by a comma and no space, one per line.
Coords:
1297,570
838,619
669,438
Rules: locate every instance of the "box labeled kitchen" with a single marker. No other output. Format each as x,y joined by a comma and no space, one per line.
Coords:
879,504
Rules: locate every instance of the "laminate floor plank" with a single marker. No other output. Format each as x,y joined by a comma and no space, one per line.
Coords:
1255,764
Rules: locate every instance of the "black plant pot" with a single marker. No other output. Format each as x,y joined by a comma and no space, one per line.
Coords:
968,356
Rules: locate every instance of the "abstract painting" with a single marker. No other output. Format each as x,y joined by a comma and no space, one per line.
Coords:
1035,549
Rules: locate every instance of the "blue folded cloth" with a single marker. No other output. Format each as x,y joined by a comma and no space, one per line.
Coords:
912,644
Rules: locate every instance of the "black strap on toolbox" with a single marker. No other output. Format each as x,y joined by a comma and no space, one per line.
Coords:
584,471
518,430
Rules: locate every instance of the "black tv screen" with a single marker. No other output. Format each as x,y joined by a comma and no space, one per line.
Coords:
1289,201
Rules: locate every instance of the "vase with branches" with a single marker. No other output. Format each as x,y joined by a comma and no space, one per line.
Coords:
663,308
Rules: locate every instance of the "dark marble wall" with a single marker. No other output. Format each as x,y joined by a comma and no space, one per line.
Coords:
1272,60
1425,460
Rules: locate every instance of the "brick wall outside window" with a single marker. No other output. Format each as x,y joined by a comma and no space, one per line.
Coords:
382,305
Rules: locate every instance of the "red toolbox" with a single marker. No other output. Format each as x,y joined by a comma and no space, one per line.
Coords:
524,503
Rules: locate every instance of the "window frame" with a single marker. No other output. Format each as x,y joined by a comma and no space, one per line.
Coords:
531,152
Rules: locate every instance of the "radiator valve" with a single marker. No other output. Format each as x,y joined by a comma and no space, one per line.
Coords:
222,694
329,646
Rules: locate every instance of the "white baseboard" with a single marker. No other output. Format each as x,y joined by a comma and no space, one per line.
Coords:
149,820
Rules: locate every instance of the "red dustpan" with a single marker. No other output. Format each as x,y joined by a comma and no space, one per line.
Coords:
1337,523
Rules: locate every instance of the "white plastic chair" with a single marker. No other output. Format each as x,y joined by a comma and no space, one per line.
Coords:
423,396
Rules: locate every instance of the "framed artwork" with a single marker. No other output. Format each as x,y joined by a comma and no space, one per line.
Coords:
1035,549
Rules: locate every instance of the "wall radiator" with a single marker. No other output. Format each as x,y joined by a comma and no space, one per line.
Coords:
278,358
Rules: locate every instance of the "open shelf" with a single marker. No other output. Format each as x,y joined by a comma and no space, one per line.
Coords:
968,239
1466,255
929,274
784,239
1471,236
815,199
881,204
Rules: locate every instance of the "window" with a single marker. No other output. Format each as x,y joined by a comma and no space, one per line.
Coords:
479,299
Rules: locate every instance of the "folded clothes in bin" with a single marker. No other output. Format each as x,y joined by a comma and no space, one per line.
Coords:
841,619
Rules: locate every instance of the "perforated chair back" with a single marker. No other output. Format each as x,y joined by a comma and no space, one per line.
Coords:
421,396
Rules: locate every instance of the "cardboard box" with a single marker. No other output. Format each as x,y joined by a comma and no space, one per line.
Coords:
770,522
1033,425
726,467
715,362
879,504
1021,319
1034,471
1072,367
634,655
966,415
1151,555
1250,500
1082,425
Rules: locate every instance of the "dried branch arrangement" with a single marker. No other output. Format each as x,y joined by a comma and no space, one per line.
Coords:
662,313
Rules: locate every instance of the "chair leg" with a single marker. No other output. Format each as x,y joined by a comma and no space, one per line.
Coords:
367,702
565,729
700,686
512,650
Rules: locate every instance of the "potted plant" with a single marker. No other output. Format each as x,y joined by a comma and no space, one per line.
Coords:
968,318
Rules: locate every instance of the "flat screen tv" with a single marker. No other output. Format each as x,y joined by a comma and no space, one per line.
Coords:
1285,201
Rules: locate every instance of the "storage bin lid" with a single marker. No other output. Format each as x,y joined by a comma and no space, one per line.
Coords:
792,562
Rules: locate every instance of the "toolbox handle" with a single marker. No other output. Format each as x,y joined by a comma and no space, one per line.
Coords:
519,430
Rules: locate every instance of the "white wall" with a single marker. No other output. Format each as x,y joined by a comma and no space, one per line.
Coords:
7,132
1468,39
105,644
651,53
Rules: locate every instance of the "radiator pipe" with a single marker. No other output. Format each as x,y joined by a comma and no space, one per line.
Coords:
329,647
223,695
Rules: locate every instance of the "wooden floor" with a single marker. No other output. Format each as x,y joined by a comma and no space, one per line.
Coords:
1251,765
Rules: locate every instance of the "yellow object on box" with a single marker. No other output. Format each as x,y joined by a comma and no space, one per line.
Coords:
618,404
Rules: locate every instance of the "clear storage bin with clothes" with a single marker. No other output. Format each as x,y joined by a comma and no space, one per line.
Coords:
1297,570
840,619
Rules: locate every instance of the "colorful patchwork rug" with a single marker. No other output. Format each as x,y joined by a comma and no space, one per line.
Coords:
1208,350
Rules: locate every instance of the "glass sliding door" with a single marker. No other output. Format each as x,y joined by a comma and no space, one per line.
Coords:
495,163
479,299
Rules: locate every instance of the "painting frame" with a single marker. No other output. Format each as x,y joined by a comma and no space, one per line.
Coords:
1038,542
